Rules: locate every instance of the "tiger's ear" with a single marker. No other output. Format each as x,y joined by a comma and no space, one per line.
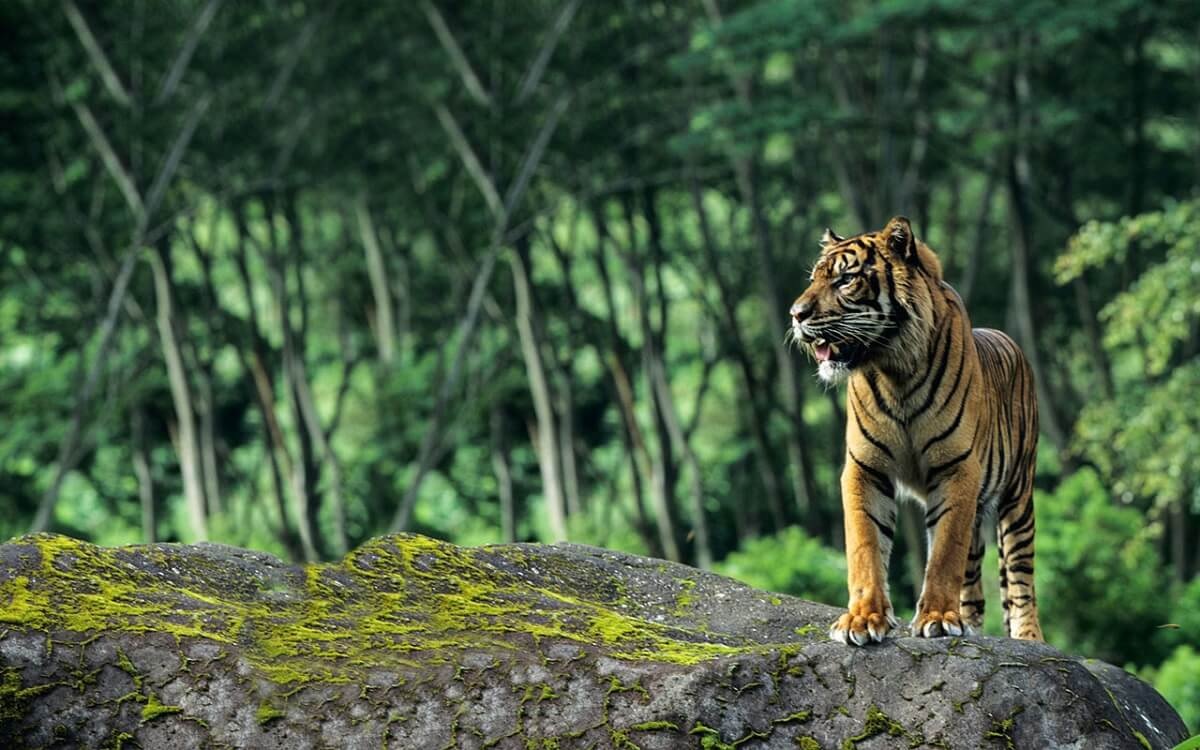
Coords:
900,238
830,238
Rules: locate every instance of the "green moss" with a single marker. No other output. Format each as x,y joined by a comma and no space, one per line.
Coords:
1002,730
655,726
401,601
14,696
1141,738
880,723
710,739
804,742
685,599
799,717
154,709
267,712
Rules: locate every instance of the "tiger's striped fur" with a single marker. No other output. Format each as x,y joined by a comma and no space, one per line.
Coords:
936,411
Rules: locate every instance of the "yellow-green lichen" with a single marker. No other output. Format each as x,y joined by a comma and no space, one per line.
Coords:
880,723
14,696
685,599
404,601
710,739
655,726
1001,730
155,708
267,712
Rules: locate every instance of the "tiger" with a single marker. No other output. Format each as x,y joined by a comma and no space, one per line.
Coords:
935,411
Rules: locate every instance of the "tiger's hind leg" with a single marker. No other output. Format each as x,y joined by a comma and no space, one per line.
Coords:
1014,532
970,599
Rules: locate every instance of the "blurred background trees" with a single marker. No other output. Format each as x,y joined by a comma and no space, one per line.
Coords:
290,275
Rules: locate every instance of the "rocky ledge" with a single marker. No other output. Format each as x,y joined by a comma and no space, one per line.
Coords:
413,643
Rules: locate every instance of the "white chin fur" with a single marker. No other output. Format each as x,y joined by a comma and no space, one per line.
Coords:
833,373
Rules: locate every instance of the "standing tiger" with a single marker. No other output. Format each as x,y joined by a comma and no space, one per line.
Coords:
937,411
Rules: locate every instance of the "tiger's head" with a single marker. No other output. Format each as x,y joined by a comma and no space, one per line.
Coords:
866,301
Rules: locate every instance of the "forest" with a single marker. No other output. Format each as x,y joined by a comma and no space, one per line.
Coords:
291,275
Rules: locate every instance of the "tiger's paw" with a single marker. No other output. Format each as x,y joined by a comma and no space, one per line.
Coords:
863,624
933,624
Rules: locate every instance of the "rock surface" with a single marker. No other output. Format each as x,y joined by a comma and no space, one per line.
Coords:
412,643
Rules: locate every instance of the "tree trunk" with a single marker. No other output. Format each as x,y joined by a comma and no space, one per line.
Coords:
380,289
790,385
662,465
208,443
547,429
181,397
303,476
254,364
966,284
635,443
566,443
757,419
501,466
1019,179
141,468
703,546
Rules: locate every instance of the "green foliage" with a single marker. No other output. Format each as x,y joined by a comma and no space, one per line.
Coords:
1176,679
1146,440
790,562
1100,581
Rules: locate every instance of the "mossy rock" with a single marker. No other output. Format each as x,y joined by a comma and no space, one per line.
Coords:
413,643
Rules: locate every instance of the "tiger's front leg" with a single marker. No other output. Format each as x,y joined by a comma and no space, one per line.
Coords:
870,519
950,522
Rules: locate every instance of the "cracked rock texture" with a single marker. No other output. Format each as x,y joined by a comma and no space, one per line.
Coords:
413,643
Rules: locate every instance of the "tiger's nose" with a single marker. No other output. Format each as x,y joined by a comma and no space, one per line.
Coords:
800,310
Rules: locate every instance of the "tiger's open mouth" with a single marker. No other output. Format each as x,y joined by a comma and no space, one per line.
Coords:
841,352
822,350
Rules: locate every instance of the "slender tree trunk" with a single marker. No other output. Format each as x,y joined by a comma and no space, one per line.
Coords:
566,391
790,385
255,366
662,465
323,441
208,444
703,545
302,475
547,432
983,231
380,289
566,442
141,468
635,443
203,366
756,417
501,466
181,397
1137,118
1018,178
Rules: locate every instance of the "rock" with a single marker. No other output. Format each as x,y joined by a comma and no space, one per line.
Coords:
413,643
